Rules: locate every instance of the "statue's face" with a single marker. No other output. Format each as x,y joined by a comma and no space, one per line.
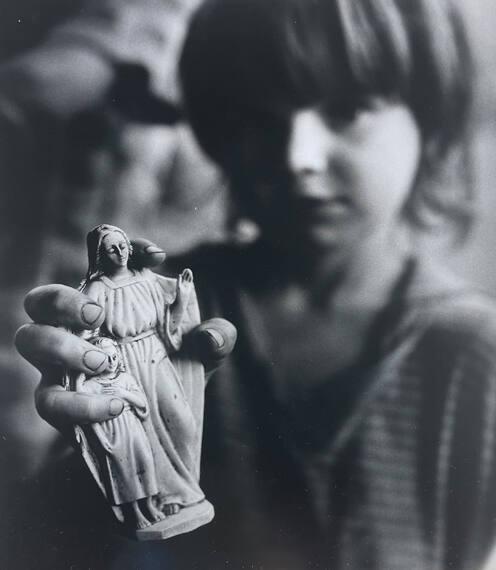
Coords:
115,248
113,356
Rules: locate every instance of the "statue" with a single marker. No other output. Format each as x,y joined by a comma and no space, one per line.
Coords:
146,315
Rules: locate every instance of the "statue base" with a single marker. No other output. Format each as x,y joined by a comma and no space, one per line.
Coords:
187,519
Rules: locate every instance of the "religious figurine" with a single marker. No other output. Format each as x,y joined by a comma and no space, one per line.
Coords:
125,455
147,315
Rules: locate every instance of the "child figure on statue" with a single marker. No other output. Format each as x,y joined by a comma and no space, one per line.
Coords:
123,448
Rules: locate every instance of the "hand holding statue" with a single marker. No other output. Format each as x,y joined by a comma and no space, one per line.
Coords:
149,317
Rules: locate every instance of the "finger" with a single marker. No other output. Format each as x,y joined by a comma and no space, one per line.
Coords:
212,341
46,345
60,407
187,275
147,254
64,306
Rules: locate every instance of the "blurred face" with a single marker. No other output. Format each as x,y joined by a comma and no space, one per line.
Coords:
329,186
116,249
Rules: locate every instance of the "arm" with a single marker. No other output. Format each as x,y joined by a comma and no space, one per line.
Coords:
130,391
181,310
132,397
209,341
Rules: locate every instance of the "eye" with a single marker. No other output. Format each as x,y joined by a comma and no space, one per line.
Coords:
263,137
341,114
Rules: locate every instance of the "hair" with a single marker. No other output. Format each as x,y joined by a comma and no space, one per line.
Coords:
263,55
94,241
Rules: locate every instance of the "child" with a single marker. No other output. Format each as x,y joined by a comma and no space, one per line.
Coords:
354,426
365,376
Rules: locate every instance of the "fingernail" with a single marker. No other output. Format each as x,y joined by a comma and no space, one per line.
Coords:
91,312
115,407
94,359
216,336
153,249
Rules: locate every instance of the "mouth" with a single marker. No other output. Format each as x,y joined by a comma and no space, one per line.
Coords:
322,223
329,210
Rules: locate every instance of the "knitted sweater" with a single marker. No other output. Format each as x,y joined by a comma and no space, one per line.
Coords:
390,466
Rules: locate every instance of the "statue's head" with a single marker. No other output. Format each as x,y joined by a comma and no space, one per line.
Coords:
111,349
108,248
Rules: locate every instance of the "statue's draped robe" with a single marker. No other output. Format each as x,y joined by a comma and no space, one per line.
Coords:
126,455
146,319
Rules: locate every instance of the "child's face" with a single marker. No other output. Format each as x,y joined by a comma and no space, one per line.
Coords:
113,357
330,186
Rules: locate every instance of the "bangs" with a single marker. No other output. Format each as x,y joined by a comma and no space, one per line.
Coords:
268,56
282,54
254,56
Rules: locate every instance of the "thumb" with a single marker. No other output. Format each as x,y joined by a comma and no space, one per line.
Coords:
146,254
212,341
60,407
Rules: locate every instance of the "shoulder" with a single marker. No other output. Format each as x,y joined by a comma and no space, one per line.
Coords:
457,342
94,288
149,275
166,284
451,373
448,307
465,319
444,364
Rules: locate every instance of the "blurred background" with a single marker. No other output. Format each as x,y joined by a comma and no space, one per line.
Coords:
76,150
80,144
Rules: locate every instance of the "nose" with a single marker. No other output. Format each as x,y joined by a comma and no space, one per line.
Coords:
310,143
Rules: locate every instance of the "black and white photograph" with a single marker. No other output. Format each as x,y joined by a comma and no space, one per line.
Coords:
248,285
